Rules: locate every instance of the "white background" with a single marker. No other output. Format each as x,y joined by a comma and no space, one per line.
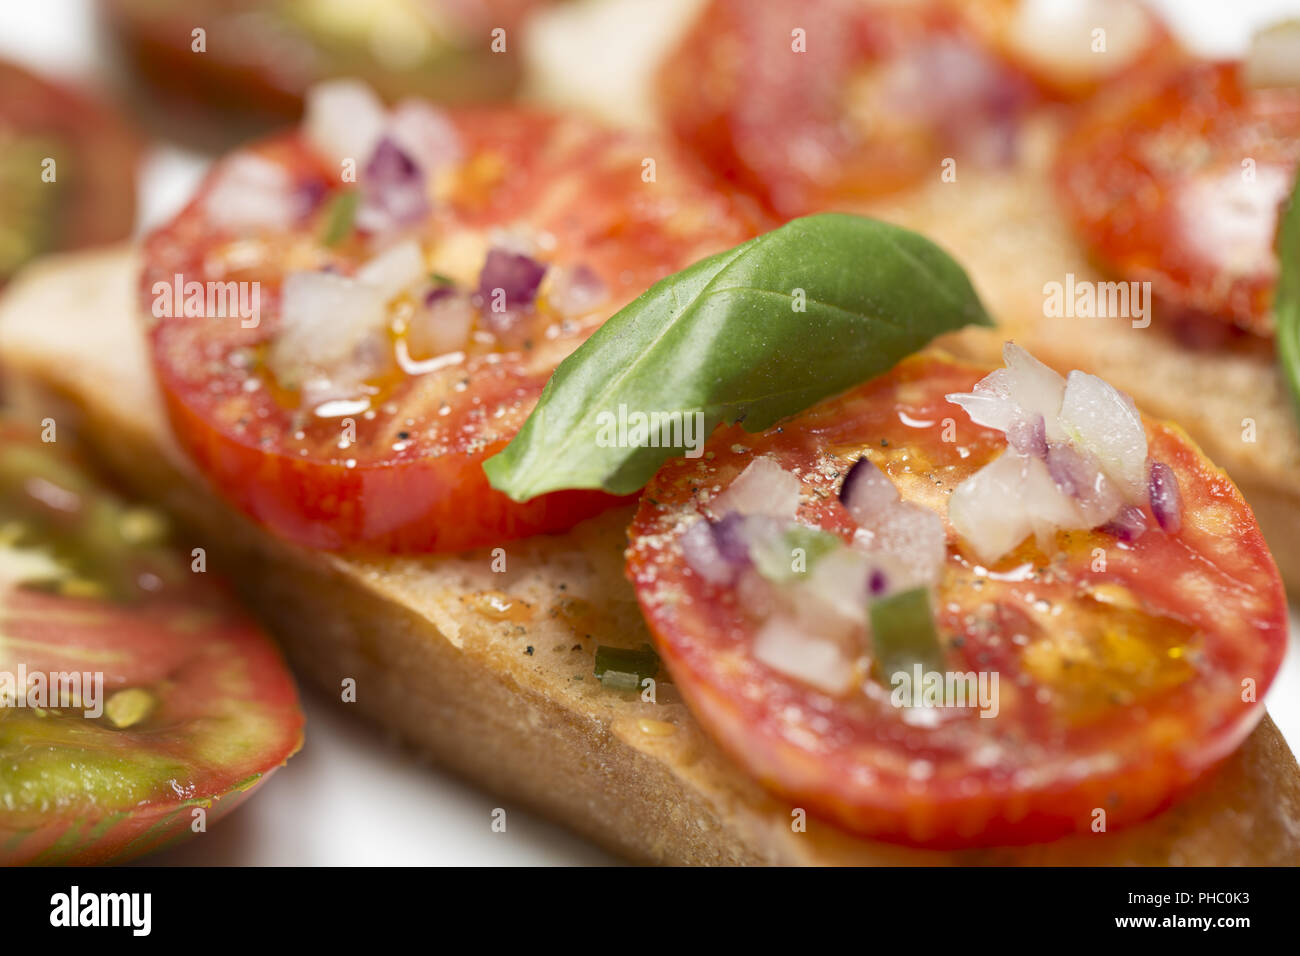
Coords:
352,797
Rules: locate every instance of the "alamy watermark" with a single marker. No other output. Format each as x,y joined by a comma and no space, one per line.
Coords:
83,690
1085,299
636,429
925,689
217,300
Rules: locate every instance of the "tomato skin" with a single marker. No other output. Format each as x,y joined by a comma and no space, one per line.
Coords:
1040,768
417,484
439,504
1151,175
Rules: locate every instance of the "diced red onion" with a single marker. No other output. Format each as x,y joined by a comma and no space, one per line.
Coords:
392,190
1166,498
425,134
867,492
323,319
718,551
1102,420
1129,524
1029,436
877,582
730,537
517,276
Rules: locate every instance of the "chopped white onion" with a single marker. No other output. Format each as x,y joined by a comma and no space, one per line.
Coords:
425,134
783,645
344,120
253,192
1019,393
1104,421
394,270
763,488
867,492
987,508
442,326
323,318
909,537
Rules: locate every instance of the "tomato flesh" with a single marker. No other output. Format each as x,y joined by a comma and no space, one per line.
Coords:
1120,680
877,97
1176,179
151,695
410,477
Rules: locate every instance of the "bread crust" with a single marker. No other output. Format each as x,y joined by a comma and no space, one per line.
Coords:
489,673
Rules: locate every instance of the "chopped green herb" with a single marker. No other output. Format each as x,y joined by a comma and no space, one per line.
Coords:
339,217
777,561
903,634
620,668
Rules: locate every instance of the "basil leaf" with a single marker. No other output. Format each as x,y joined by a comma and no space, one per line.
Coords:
749,335
1286,301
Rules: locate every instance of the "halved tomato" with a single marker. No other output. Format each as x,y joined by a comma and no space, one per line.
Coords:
133,692
67,170
1176,178
811,104
1125,669
260,56
603,209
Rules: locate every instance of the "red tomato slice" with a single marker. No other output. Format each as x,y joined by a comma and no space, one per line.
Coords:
412,478
90,198
878,97
172,699
1176,179
1117,687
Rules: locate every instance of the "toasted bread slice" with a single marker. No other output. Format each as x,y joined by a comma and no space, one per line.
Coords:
491,673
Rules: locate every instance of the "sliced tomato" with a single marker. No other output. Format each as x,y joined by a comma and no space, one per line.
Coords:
1124,667
811,104
1176,179
261,56
1073,50
148,694
411,477
67,170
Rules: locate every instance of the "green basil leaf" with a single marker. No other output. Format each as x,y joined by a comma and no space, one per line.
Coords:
1286,301
749,335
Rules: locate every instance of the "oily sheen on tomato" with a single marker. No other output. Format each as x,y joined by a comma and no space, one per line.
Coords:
599,212
1176,179
138,698
1127,668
